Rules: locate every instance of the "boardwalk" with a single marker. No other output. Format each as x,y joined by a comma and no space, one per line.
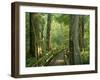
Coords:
57,60
53,58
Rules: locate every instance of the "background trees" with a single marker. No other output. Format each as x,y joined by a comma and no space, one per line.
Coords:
56,39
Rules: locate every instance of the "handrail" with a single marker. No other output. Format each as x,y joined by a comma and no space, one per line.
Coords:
48,57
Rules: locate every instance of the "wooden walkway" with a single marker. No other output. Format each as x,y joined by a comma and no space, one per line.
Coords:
57,60
52,58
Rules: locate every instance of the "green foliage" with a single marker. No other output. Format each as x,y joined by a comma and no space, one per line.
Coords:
61,18
85,57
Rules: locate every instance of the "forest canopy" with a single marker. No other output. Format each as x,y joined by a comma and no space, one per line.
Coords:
56,39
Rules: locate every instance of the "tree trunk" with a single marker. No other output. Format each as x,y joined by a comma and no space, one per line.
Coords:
32,37
48,32
75,36
34,34
81,34
74,40
71,44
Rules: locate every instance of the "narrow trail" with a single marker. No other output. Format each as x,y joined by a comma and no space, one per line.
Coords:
57,60
53,58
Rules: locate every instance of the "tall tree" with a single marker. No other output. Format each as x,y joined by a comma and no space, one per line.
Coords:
35,34
81,32
71,44
33,43
74,40
48,32
29,54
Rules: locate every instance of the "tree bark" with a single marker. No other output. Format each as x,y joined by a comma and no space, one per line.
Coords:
71,44
34,34
48,33
75,37
81,34
74,40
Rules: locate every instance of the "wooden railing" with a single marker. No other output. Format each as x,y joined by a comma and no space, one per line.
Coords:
46,59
